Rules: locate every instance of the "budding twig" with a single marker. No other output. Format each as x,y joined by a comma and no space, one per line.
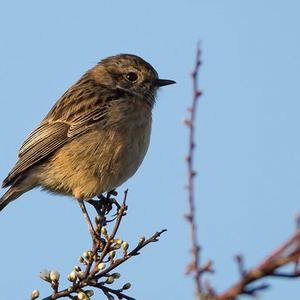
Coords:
195,266
288,253
99,262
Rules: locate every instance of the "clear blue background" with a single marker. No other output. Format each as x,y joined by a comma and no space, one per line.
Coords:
248,149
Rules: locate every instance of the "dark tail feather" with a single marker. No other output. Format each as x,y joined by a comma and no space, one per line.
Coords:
12,194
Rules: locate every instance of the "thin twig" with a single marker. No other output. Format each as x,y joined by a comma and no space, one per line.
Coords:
105,247
287,253
88,220
194,267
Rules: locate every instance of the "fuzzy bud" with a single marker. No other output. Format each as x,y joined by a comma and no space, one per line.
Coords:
45,275
125,246
126,286
101,266
104,231
90,293
54,276
119,242
112,254
116,275
35,294
110,280
77,268
87,255
72,276
80,274
82,296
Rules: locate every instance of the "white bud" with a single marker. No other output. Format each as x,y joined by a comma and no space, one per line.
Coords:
45,275
54,276
101,266
77,268
35,294
125,246
110,280
82,296
72,276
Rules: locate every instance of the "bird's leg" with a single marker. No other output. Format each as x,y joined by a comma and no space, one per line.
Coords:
97,205
107,201
113,200
88,221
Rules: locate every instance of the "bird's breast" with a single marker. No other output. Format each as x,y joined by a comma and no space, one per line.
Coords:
101,159
125,147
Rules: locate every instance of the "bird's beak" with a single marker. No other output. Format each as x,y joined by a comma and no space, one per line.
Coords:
163,82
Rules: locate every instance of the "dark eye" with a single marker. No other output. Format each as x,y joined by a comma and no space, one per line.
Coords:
131,76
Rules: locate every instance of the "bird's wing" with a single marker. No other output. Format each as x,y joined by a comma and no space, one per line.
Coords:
61,126
49,137
84,122
42,142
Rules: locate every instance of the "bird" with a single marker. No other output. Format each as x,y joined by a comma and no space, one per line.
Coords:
95,136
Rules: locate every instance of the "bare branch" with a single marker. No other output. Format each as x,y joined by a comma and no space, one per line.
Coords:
288,253
108,252
194,267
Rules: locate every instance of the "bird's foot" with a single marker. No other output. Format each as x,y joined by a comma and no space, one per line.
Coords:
108,201
105,203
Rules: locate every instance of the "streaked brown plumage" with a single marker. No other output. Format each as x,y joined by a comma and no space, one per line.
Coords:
96,135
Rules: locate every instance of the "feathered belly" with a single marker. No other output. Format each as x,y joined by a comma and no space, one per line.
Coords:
96,162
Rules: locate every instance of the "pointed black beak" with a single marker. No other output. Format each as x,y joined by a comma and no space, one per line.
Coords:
163,82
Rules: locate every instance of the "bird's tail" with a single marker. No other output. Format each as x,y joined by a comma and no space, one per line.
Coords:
12,194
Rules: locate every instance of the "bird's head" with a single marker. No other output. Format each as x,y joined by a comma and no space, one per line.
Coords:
129,73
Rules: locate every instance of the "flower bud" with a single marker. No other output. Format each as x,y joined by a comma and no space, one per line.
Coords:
80,274
117,246
82,296
116,275
54,276
119,242
90,293
35,294
104,231
72,276
99,219
126,286
110,280
101,266
112,254
87,255
45,275
77,268
125,246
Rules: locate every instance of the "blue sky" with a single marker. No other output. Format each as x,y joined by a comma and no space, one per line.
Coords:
248,150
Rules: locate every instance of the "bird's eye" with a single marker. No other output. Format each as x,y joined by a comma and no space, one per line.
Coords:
131,76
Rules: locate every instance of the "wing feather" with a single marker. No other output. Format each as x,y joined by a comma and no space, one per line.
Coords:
42,142
40,134
78,110
84,122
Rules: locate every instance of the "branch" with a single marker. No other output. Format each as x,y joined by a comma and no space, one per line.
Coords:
194,266
250,281
107,253
288,253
